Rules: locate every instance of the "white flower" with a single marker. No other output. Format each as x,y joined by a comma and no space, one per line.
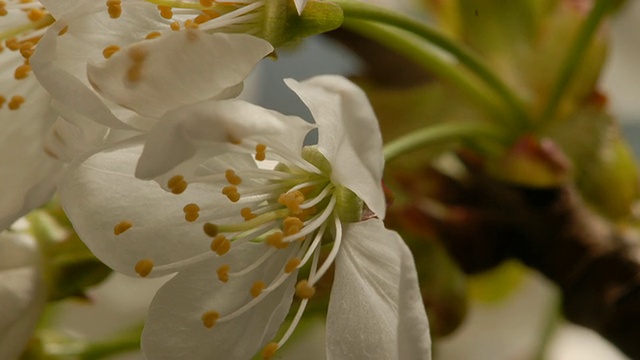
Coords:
28,173
114,69
238,233
22,292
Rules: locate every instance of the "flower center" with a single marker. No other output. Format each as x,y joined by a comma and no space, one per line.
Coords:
24,23
292,207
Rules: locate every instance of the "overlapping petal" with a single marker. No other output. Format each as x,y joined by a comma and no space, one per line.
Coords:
375,311
175,329
349,136
22,292
210,127
101,191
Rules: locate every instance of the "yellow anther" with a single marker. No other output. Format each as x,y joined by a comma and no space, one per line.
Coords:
233,139
193,207
153,35
177,184
22,71
231,192
63,31
269,350
220,245
191,216
247,214
206,3
36,14
190,24
209,318
223,273
15,102
210,229
174,181
175,26
292,265
110,50
257,288
122,226
261,152
292,201
232,178
2,100
191,212
212,13
292,225
166,11
275,240
304,290
114,7
26,49
12,44
201,19
144,267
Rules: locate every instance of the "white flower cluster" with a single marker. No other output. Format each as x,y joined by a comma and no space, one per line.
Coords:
129,108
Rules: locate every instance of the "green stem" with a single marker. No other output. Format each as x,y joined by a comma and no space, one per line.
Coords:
362,11
572,62
439,133
428,58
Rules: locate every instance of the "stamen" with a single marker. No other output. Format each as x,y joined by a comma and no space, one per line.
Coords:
275,240
22,71
210,318
121,227
177,184
304,290
257,288
312,225
292,225
292,265
223,273
261,152
220,245
110,50
232,178
191,212
206,3
114,8
316,200
144,267
253,265
64,30
231,192
166,11
247,214
175,26
332,254
153,35
269,350
15,102
292,200
210,229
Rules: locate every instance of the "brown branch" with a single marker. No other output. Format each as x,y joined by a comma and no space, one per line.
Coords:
482,222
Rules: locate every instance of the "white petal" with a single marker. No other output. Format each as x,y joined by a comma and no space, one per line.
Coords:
348,135
178,68
210,125
300,4
101,191
28,174
174,329
60,9
22,293
67,86
375,310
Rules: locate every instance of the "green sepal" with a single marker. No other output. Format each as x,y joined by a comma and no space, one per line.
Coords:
283,25
348,205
